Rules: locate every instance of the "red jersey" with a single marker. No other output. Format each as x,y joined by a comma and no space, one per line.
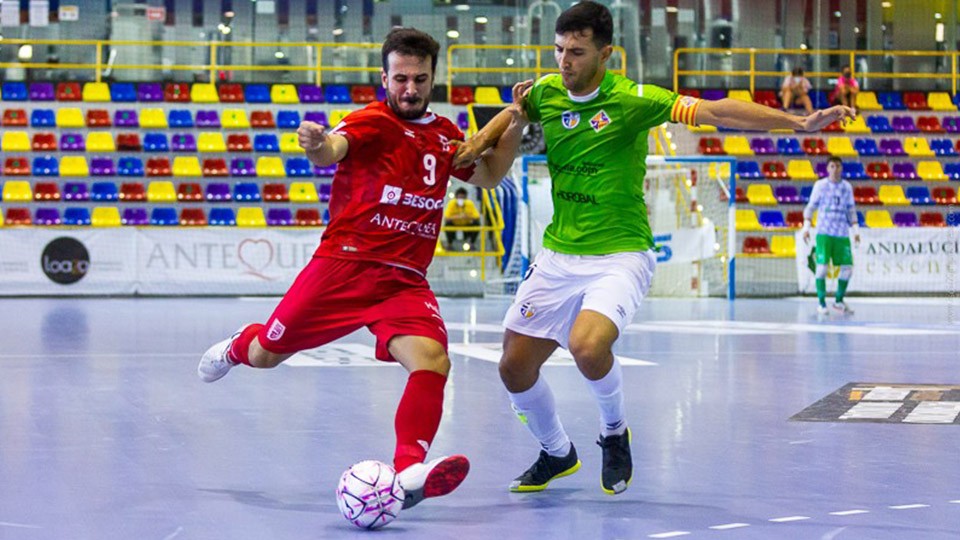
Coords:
387,199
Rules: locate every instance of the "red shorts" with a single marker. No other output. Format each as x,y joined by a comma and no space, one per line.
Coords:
335,297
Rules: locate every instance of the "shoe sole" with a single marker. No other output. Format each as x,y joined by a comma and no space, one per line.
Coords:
613,492
441,480
541,487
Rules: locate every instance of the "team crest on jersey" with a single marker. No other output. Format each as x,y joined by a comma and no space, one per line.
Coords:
527,311
599,121
391,195
570,119
276,330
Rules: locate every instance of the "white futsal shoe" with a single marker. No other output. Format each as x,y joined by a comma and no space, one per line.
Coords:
432,479
215,363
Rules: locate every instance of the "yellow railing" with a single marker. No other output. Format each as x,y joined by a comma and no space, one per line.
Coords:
491,219
752,73
97,48
538,69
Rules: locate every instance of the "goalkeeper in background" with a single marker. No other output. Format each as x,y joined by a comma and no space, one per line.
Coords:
832,198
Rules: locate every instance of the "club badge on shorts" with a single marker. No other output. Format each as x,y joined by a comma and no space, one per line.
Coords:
527,310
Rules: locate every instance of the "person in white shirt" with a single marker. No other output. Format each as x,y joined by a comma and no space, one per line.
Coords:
794,91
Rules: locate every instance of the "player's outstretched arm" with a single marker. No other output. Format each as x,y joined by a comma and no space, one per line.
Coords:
495,162
323,149
737,114
470,151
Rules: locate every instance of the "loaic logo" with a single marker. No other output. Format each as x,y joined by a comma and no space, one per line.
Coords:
65,260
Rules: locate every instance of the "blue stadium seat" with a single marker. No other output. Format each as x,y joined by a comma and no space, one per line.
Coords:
891,101
76,216
749,170
953,219
155,142
246,191
299,168
952,170
222,217
104,191
326,216
866,147
336,93
180,118
943,147
817,97
506,94
853,170
130,166
789,146
46,166
266,142
43,118
164,217
919,195
123,92
861,220
805,192
14,91
257,93
288,119
772,218
879,124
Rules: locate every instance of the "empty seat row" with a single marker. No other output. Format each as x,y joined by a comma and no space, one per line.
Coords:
891,195
102,141
182,166
155,118
798,169
750,220
866,100
163,191
738,145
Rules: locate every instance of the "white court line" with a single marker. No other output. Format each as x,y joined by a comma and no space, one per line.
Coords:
849,512
18,525
671,534
908,506
788,519
956,501
729,526
194,354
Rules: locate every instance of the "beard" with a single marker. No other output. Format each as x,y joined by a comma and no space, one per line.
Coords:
409,113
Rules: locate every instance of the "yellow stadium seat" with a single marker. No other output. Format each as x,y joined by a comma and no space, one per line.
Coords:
893,196
857,125
867,101
940,101
204,93
282,93
105,216
303,192
161,191
878,219
742,95
100,141
15,141
723,171
800,169
487,95
702,129
17,190
250,216
783,245
747,220
153,118
211,141
270,167
737,145
97,92
289,144
917,147
761,194
841,146
337,115
1,223
235,119
74,166
931,170
70,117
186,166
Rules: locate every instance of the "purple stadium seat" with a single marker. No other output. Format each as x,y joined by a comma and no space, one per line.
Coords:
892,147
183,142
47,216
149,92
904,124
786,194
134,217
324,192
218,191
242,167
72,142
309,93
126,118
820,169
41,92
713,94
317,117
102,167
463,121
328,171
763,146
905,219
279,217
951,124
904,171
382,93
75,191
207,119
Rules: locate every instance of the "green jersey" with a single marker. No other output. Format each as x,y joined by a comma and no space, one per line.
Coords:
596,153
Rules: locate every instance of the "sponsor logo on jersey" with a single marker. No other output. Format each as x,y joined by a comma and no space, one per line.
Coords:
276,330
599,121
579,198
391,195
527,310
419,201
410,134
582,169
425,230
445,141
570,119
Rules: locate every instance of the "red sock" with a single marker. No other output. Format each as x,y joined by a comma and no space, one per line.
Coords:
240,348
418,417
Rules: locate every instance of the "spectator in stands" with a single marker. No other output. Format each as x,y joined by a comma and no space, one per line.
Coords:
795,89
845,93
461,212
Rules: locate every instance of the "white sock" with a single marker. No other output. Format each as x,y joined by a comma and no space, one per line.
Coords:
538,411
609,393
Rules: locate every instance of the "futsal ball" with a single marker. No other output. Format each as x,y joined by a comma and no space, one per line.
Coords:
369,494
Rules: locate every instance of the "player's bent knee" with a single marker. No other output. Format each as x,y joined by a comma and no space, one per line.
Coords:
516,374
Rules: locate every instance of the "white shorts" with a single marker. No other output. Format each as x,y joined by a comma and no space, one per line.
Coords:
558,286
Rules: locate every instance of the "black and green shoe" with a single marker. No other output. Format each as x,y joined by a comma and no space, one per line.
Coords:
546,469
617,463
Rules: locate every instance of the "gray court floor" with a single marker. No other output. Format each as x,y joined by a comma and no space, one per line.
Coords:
752,419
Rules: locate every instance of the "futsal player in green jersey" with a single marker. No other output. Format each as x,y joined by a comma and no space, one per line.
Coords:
597,259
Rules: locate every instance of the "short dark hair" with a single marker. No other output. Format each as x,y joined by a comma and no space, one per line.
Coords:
798,71
410,42
460,191
588,15
835,159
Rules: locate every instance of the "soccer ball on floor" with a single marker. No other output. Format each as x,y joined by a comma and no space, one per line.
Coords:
369,494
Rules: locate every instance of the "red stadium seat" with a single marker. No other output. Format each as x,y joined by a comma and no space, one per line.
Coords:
308,217
18,216
215,167
767,97
741,196
69,91
879,171
189,191
275,193
932,219
944,195
14,118
193,217
866,195
16,166
159,167
774,170
129,142
692,92
43,142
915,101
177,92
363,93
929,124
262,119
711,146
756,244
46,191
239,142
98,118
230,93
815,146
794,219
132,192
461,95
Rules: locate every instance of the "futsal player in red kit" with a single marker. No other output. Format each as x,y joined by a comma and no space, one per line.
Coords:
386,206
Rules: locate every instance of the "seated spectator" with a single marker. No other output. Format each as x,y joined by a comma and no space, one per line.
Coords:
461,212
794,91
845,93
